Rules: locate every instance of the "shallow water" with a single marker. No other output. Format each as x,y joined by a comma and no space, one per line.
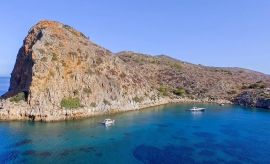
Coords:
165,134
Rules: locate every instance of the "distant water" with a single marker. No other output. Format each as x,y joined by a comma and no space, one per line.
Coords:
4,84
165,134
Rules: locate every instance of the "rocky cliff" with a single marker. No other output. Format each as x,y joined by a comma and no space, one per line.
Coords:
60,74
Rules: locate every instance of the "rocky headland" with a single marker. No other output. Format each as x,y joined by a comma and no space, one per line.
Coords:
60,74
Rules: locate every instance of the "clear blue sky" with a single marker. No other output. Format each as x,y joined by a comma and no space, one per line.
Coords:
208,32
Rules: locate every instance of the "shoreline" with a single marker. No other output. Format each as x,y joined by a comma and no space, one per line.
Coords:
24,114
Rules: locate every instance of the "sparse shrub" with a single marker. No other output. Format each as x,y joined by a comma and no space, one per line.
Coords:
19,97
123,75
153,98
89,71
84,36
72,76
203,91
67,27
138,99
244,87
93,104
262,86
70,103
163,91
99,61
63,63
44,59
179,92
229,72
61,44
106,102
88,91
70,29
73,54
254,86
47,44
232,92
177,66
41,51
257,85
54,57
51,73
76,92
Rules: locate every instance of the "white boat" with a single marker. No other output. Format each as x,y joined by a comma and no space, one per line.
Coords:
108,122
195,109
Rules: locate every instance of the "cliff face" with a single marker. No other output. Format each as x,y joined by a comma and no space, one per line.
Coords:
60,74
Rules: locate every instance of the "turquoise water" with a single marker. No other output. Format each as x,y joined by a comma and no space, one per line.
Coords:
165,134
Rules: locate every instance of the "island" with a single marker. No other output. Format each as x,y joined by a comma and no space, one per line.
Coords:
60,74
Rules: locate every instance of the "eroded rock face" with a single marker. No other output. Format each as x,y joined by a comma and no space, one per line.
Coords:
57,62
255,98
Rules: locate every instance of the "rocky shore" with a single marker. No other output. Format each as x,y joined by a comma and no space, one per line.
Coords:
12,111
60,74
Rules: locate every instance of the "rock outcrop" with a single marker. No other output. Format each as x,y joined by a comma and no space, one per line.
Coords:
60,74
254,98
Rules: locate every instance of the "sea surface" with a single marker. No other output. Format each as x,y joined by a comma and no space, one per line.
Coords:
164,134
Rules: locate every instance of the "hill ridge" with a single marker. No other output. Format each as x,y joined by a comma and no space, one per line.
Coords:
60,74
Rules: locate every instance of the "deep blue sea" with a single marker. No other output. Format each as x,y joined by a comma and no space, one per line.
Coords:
165,134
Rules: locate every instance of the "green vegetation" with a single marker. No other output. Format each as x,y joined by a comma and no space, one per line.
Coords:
138,99
179,92
258,85
19,97
106,102
177,66
70,103
163,91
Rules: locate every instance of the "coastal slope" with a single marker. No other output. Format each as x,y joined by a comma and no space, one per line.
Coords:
60,74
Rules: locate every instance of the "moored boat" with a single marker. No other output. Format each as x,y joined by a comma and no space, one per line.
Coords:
108,122
195,109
